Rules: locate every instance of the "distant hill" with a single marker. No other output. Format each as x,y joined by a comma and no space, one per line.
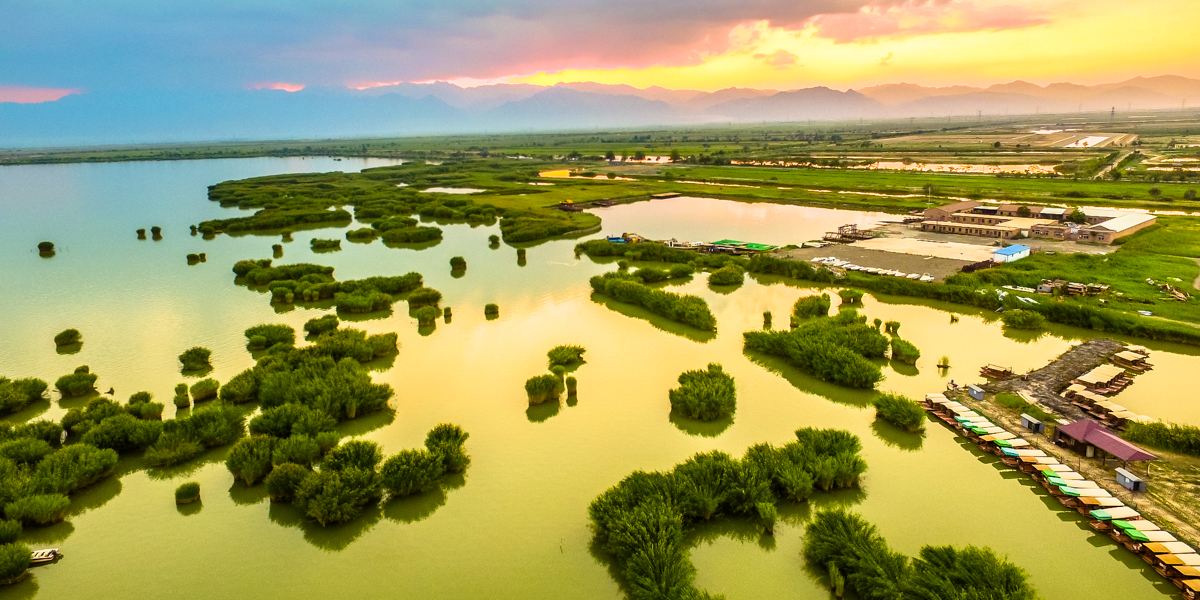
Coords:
441,107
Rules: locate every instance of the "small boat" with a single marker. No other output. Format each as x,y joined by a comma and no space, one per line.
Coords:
46,556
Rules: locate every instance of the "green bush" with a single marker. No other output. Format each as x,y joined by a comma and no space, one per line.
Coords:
68,337
241,388
318,325
458,263
838,350
250,459
494,241
205,389
850,296
566,355
904,351
572,387
325,245
491,310
262,337
299,449
123,433
426,315
25,451
14,562
10,530
641,521
355,454
77,384
182,400
840,542
187,493
362,234
424,297
72,468
728,275
186,438
1023,319
449,442
284,480
411,472
38,509
196,358
900,411
16,394
543,388
336,496
689,310
287,420
1183,439
706,395
811,306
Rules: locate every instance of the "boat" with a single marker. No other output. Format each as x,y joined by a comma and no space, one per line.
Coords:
45,556
991,371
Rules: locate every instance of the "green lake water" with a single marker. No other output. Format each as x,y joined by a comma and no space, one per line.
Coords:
516,525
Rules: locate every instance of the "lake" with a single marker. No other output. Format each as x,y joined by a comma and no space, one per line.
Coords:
516,525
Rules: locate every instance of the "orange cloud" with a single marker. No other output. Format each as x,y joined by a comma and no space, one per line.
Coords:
281,86
19,94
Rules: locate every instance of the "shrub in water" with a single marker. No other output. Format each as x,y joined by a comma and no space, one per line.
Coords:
850,296
426,315
730,274
424,297
205,389
336,496
46,248
706,395
566,356
318,325
324,245
904,351
38,509
411,472
14,562
811,306
356,454
250,458
261,337
196,358
1023,319
77,384
572,385
284,480
458,263
187,493
900,411
542,388
449,442
16,394
68,337
299,449
491,311
10,530
689,310
181,396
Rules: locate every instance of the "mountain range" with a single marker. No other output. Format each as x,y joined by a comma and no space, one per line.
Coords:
439,107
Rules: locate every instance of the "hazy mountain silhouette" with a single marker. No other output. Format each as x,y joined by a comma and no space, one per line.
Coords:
105,117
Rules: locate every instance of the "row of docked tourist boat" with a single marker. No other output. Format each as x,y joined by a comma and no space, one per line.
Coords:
1171,558
834,261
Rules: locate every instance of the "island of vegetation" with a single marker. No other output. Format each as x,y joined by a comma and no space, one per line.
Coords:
704,394
196,360
837,349
689,310
641,522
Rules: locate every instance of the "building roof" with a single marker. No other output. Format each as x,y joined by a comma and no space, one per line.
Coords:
1101,374
1050,210
1124,222
965,205
1091,432
1012,250
1130,356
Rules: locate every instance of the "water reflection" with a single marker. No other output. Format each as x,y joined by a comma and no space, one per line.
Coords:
660,323
189,509
895,437
807,383
699,428
244,495
537,413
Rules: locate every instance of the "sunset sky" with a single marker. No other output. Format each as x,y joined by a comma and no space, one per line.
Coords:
53,48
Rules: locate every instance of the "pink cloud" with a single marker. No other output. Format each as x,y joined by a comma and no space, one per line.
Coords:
915,17
280,86
20,94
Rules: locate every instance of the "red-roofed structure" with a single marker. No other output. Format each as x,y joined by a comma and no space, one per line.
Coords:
1089,438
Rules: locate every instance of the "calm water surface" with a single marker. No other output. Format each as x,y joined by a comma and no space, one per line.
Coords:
516,526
